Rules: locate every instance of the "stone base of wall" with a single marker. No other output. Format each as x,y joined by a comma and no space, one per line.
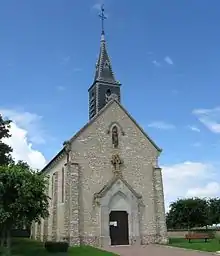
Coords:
162,240
154,239
104,241
149,239
90,240
134,240
74,241
97,241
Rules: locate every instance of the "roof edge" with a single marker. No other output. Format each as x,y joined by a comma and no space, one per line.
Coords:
139,127
61,153
58,156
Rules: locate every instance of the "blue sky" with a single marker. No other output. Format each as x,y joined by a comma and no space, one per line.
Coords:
165,54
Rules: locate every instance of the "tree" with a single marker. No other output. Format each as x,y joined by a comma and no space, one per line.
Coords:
170,220
23,165
214,210
188,213
22,198
5,150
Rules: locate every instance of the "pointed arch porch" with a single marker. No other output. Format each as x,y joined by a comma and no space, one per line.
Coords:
118,195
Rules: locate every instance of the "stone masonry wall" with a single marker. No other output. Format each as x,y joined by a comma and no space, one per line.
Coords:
72,208
93,150
67,202
54,206
160,208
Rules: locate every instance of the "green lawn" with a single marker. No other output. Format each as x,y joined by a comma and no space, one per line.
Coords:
211,245
26,247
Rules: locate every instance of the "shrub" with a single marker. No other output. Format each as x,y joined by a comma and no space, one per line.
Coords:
20,233
56,246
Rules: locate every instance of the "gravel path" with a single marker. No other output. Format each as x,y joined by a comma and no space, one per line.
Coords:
154,250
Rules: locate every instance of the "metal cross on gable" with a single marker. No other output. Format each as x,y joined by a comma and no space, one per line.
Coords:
103,18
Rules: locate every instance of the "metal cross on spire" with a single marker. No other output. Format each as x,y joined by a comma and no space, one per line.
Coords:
103,18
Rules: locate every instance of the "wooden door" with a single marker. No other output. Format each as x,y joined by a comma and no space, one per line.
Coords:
119,228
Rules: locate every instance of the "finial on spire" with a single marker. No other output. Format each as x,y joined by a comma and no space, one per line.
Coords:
103,18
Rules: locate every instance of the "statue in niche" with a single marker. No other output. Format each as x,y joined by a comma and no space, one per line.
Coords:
115,136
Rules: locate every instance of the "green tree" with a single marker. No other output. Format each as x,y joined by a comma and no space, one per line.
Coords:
188,213
5,150
170,220
23,165
22,198
214,211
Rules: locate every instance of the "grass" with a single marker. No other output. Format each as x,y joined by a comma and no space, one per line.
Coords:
212,245
27,247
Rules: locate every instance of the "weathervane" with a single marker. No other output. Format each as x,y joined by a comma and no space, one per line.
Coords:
103,18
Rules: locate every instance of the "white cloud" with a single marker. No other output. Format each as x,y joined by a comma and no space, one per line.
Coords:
28,121
210,118
168,60
194,128
23,150
20,140
188,179
211,189
156,63
161,125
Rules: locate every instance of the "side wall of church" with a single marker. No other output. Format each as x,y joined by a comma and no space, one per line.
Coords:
52,228
93,152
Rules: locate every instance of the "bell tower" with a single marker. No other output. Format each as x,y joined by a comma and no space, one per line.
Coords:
105,86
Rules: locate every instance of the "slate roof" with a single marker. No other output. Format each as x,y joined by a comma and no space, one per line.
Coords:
103,66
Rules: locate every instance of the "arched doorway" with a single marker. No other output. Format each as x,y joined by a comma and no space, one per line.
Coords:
122,200
118,228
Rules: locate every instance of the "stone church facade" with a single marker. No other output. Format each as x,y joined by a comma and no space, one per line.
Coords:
105,184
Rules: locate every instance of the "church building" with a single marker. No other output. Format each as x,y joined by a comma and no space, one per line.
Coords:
105,184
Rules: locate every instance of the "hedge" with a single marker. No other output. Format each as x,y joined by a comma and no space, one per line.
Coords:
56,246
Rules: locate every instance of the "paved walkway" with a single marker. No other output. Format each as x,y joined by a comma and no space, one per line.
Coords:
153,250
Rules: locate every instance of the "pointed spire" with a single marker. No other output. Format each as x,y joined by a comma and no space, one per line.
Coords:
103,66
